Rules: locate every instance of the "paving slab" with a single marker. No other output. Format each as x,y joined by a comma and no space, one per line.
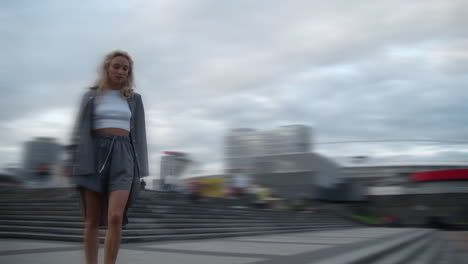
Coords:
243,247
281,248
125,256
356,232
325,237
13,244
459,242
305,240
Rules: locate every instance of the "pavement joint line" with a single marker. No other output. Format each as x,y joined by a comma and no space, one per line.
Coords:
322,254
36,240
174,242
286,242
39,250
203,252
340,237
319,254
233,239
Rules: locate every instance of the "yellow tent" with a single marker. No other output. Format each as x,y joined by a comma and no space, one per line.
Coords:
212,187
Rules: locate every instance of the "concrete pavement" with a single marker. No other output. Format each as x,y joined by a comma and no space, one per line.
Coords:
306,247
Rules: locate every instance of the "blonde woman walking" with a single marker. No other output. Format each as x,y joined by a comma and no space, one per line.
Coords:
109,154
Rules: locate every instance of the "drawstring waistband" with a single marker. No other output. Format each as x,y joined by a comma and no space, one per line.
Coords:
109,137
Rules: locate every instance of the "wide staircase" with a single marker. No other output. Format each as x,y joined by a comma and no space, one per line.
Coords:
401,246
54,214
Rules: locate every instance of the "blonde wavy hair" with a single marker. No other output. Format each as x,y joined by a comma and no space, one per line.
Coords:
102,82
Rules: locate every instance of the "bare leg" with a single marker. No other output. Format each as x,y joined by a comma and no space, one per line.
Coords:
117,203
91,233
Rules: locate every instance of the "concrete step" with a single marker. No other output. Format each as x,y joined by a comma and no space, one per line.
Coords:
69,205
407,254
42,212
225,213
42,223
208,207
42,217
143,209
378,252
449,255
215,235
58,217
215,216
41,208
76,212
220,211
186,207
134,214
37,223
127,239
4,202
41,236
221,225
431,253
147,232
152,219
214,221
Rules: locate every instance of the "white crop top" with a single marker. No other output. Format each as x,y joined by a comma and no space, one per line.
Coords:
111,111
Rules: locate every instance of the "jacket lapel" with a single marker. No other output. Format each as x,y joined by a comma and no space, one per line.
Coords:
131,104
92,95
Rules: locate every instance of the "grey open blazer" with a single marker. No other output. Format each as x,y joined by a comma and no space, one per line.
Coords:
82,158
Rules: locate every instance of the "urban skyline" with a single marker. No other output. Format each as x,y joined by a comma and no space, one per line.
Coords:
355,71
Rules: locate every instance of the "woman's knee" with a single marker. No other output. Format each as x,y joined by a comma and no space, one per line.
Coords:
115,218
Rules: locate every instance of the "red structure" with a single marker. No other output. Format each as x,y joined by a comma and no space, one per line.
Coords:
441,175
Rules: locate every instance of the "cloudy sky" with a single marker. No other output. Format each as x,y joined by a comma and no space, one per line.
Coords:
352,70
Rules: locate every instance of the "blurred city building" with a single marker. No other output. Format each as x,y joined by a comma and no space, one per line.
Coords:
282,159
11,176
394,174
244,143
299,175
173,165
41,159
415,192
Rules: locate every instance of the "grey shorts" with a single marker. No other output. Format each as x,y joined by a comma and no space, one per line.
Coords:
114,165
